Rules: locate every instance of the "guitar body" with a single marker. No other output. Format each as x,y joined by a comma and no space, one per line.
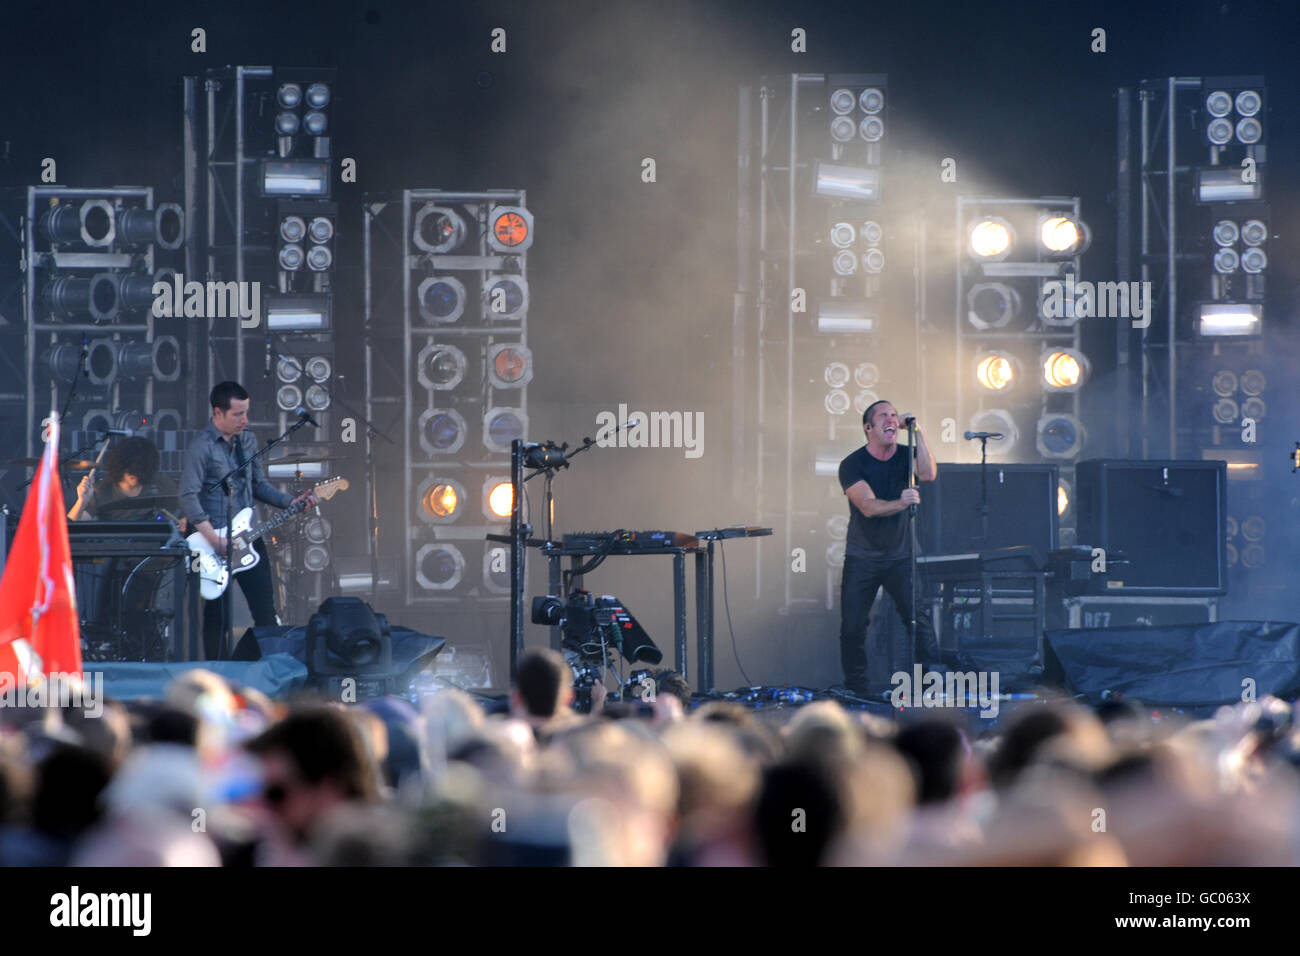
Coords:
213,579
210,563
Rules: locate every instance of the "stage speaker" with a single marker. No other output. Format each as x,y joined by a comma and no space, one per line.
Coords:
1167,520
1021,509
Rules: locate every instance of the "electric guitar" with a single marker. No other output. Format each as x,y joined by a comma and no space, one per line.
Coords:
211,564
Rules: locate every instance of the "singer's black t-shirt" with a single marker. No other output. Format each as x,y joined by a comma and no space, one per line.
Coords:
885,538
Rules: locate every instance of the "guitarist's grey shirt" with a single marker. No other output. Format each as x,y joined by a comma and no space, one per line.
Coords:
208,458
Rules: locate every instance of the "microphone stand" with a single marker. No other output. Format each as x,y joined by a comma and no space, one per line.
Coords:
911,524
227,626
984,493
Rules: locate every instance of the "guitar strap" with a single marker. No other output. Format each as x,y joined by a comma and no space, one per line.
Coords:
239,460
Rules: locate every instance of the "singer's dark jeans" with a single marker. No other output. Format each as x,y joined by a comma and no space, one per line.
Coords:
860,580
260,594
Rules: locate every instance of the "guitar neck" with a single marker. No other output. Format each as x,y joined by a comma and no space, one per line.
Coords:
278,520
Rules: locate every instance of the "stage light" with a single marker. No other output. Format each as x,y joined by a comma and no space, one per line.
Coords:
1064,236
996,371
496,570
501,426
837,527
288,369
1216,185
318,368
438,229
1219,131
498,498
91,222
321,229
998,421
991,305
871,129
835,555
826,461
1249,130
1226,232
509,366
317,529
135,290
97,420
67,296
1254,260
1226,260
843,129
289,95
1253,407
306,312
1224,383
439,566
510,229
1231,551
873,261
845,263
838,402
866,375
1218,103
843,235
836,374
288,398
1230,526
1065,370
1253,528
164,225
441,367
295,177
1249,102
317,398
315,558
168,420
315,123
1226,411
440,500
871,100
63,361
1253,556
1254,232
101,361
872,233
1229,319
442,299
442,431
293,229
856,183
1060,436
319,258
505,297
105,302
864,400
843,101
291,257
846,316
991,238
135,359
1062,497
1253,382
286,124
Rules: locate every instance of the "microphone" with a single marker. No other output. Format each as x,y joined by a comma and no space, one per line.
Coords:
970,435
304,417
124,432
629,423
909,420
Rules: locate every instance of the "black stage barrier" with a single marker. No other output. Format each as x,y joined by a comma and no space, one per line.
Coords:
1181,665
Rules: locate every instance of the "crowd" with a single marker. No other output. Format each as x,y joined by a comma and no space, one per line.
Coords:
218,775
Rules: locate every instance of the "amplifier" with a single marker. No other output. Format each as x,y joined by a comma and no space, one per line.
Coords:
1021,502
1166,518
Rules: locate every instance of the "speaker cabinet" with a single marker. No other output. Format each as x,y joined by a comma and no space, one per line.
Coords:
1167,518
1021,509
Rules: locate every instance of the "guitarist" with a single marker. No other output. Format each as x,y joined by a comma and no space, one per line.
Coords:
222,446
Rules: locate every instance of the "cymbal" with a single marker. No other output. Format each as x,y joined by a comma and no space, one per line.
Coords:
296,459
81,465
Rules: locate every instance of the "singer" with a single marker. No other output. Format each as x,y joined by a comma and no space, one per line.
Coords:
878,551
221,447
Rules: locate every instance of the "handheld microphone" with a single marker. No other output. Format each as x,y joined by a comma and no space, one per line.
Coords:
970,435
909,420
303,416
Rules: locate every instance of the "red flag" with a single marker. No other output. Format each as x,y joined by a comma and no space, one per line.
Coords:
37,601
